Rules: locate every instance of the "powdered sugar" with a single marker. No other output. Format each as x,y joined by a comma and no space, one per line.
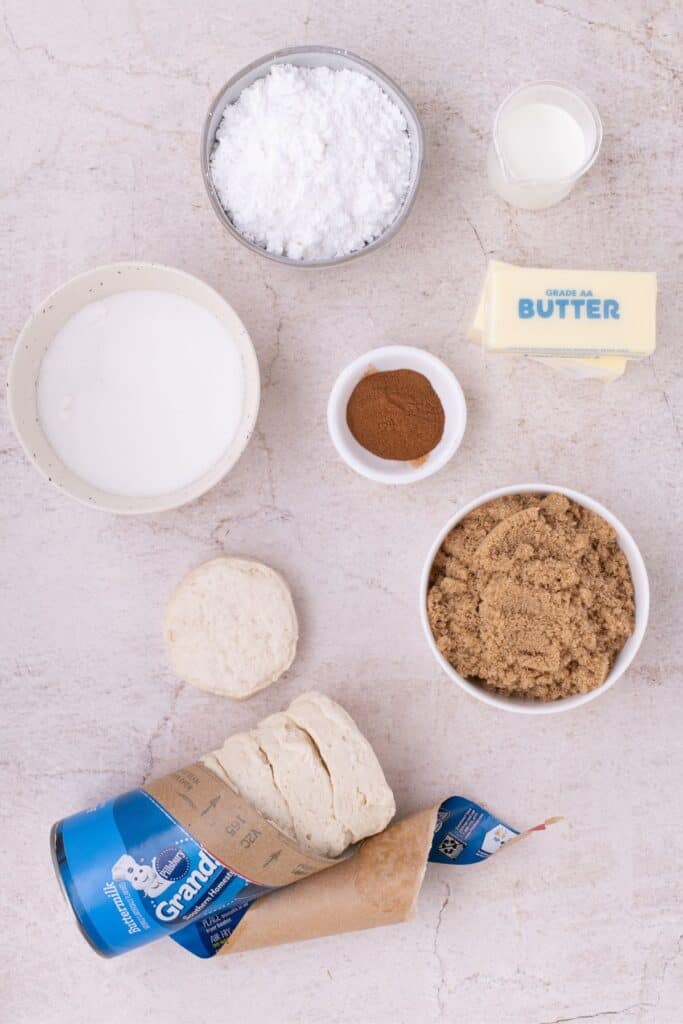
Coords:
312,163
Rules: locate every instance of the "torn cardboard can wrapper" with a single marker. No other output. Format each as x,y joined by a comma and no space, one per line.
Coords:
378,885
187,857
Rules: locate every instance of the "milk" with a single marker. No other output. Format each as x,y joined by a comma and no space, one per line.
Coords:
545,137
541,142
141,393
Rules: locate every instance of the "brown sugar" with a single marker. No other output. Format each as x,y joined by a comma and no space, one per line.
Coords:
532,597
396,414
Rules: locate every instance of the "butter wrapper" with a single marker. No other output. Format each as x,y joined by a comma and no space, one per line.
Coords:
570,313
604,368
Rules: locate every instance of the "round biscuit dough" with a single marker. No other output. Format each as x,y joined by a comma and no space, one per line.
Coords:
230,627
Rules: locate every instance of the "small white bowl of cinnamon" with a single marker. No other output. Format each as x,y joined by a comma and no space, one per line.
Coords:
396,414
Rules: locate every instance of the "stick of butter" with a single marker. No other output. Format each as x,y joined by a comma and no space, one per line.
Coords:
570,312
605,368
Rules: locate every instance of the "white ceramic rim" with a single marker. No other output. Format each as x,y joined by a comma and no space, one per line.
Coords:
288,54
588,162
82,491
354,370
627,654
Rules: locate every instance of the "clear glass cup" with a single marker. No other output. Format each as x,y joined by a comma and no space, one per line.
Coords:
539,193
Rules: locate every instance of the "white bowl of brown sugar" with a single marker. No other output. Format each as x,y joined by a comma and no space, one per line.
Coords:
534,599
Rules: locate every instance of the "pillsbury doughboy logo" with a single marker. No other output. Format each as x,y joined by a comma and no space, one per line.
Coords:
142,877
170,865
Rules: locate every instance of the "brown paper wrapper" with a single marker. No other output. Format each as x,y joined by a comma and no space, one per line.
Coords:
374,884
377,886
231,830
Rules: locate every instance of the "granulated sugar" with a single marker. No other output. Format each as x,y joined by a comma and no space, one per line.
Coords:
312,163
141,392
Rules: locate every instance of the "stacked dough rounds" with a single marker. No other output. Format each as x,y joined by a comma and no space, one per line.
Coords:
312,773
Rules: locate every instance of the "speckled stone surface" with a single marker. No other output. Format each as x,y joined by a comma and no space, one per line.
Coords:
103,105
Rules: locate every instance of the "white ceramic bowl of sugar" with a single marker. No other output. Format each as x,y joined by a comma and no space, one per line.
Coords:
624,658
444,382
56,311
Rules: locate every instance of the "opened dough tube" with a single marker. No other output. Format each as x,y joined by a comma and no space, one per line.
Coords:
270,807
249,847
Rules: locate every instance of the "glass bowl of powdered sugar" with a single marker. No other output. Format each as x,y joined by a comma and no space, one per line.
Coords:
312,156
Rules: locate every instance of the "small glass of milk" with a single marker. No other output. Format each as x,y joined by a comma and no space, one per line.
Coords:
545,136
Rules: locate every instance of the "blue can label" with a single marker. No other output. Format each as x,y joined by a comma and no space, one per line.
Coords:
133,874
465,833
208,935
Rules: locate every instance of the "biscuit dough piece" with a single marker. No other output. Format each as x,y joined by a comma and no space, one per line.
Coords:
211,762
230,627
304,782
242,763
362,800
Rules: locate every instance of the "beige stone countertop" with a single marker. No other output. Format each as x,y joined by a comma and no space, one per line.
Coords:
102,108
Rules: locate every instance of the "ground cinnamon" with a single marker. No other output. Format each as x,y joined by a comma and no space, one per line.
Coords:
396,414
